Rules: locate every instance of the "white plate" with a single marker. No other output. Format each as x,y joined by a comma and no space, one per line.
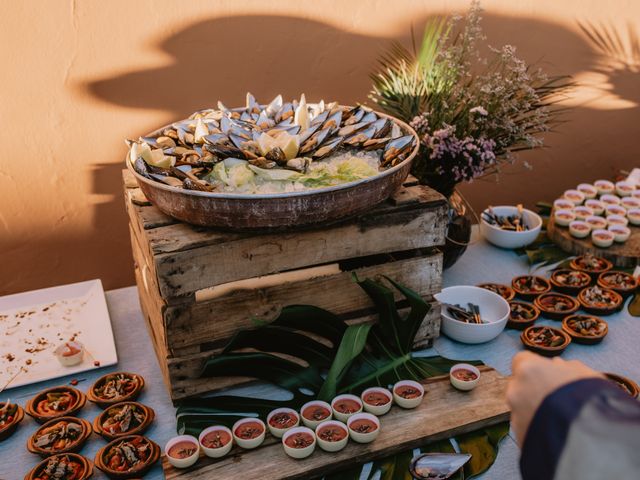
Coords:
54,315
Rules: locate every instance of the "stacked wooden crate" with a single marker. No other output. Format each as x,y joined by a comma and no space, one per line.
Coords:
199,286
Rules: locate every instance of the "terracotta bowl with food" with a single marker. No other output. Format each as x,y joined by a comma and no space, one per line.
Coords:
600,301
81,468
116,466
625,384
60,435
621,282
529,287
114,388
587,329
522,315
11,414
546,341
123,419
556,306
55,402
569,281
591,264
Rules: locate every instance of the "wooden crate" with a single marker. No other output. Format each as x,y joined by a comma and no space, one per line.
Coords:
199,286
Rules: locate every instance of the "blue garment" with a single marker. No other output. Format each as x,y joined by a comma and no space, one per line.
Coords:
589,429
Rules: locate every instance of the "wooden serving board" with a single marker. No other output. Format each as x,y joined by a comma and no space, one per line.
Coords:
444,412
623,255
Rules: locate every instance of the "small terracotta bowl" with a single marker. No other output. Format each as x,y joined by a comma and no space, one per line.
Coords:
517,323
559,286
542,350
10,427
605,265
38,470
625,292
625,384
582,338
589,307
103,402
547,312
135,472
528,294
77,402
75,446
504,291
147,414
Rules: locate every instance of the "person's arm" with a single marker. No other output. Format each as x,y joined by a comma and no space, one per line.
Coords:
571,422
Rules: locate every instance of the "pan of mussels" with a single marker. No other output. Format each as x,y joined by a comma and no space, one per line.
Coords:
276,165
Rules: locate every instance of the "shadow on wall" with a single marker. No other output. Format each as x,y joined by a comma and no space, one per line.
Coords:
223,58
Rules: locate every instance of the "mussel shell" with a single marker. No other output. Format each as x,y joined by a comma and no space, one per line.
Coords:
354,115
375,143
262,162
314,141
225,151
349,130
313,128
140,166
321,118
328,148
215,138
358,138
395,148
276,154
190,184
333,122
252,104
274,106
369,117
284,113
382,126
299,164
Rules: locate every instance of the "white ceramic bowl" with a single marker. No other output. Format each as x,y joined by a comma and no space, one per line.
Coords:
602,238
575,196
361,437
620,233
508,239
249,443
610,199
563,217
562,204
624,188
408,402
493,309
220,451
633,215
596,205
343,417
588,190
615,210
579,229
279,432
582,212
464,385
64,355
618,219
299,453
596,221
183,462
332,446
604,187
630,203
377,409
314,423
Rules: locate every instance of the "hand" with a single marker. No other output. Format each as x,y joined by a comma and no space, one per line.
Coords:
535,377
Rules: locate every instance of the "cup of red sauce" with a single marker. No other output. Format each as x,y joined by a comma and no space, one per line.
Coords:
464,376
377,400
363,427
315,412
249,433
216,441
408,394
182,451
332,436
282,419
345,405
299,442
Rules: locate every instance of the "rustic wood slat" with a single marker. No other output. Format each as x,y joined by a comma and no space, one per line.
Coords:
223,316
623,255
444,413
183,272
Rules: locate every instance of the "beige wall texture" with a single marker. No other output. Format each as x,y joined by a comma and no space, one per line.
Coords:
80,76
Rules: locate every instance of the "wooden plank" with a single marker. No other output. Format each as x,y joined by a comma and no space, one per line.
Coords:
182,272
184,370
444,413
221,317
128,179
623,255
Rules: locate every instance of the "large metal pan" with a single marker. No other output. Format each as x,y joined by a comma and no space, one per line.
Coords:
283,210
